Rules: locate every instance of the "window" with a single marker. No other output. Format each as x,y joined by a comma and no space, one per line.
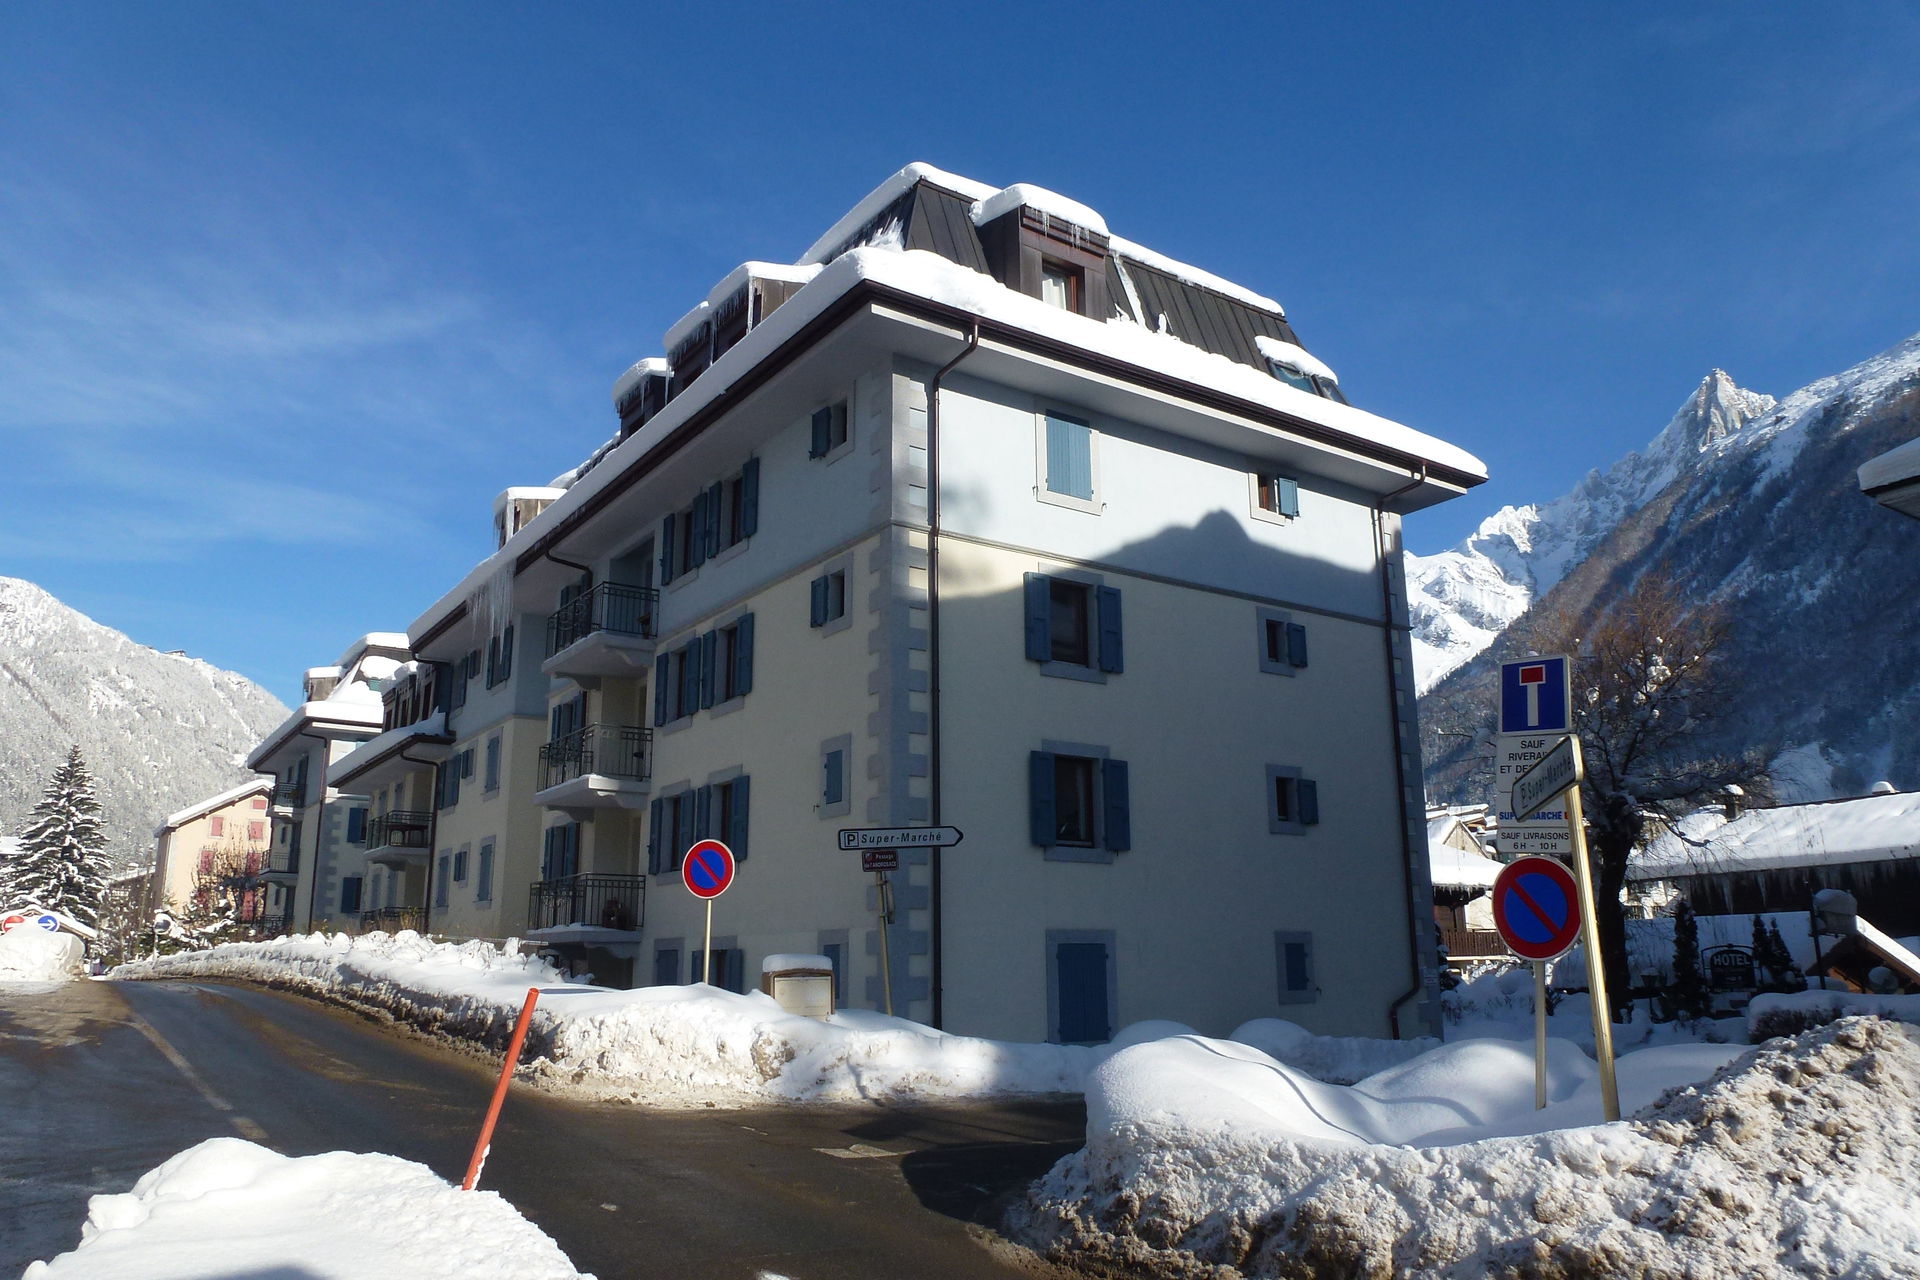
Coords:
836,788
1060,285
669,832
729,657
1073,627
258,830
560,856
727,821
259,802
829,598
1293,802
1275,497
1283,642
206,862
829,429
483,887
666,965
722,515
1069,471
460,866
493,763
216,826
1293,961
440,881
356,825
717,811
500,657
1078,806
350,887
1293,377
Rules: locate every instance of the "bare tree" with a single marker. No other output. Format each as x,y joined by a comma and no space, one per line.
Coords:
1647,687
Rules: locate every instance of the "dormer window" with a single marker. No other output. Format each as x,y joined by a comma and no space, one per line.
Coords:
1294,377
1060,285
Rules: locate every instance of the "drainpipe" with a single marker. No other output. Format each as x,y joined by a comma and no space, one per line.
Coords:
933,661
1407,851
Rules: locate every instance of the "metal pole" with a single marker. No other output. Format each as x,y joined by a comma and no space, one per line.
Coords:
485,1144
1590,938
883,899
706,952
1539,1034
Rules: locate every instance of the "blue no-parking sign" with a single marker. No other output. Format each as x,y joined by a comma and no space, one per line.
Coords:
1536,696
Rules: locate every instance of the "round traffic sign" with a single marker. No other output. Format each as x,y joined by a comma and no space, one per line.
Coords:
708,868
49,922
1536,907
11,923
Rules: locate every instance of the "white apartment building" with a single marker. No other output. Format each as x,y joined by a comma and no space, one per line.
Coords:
316,865
979,516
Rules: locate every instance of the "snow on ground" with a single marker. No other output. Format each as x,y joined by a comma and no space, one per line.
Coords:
1795,1159
230,1208
696,1045
30,954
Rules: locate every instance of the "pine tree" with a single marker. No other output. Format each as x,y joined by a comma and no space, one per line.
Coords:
62,862
1687,997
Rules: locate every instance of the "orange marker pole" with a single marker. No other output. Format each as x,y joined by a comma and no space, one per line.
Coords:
481,1147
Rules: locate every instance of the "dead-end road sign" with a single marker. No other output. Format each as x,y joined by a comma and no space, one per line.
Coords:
1549,778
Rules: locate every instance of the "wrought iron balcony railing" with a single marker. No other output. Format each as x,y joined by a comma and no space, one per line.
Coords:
608,607
610,750
394,919
598,901
401,829
290,795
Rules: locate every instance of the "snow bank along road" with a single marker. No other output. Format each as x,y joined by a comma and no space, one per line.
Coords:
100,1082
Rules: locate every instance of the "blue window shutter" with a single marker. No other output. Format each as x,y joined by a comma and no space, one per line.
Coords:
743,656
356,826
750,498
690,682
546,854
1296,645
683,831
1306,793
713,517
1069,457
817,609
1107,603
661,665
1118,835
822,426
709,646
666,550
655,841
1039,626
1286,495
506,652
834,787
697,531
702,813
737,840
1041,818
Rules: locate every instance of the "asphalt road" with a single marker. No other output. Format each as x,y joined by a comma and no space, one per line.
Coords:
99,1082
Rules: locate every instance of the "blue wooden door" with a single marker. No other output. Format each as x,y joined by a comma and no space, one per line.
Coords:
1082,997
666,967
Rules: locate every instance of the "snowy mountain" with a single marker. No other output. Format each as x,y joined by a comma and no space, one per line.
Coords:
159,731
1741,499
1463,598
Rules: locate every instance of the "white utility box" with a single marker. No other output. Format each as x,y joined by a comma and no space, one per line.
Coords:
803,984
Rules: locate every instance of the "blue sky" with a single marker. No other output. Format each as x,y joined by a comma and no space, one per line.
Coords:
289,292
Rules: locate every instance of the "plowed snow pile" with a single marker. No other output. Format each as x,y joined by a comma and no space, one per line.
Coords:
1795,1159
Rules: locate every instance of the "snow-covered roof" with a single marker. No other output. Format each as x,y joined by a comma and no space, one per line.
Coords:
1041,200
1876,828
322,673
372,640
258,786
518,492
1294,356
885,194
331,714
375,749
1458,868
636,371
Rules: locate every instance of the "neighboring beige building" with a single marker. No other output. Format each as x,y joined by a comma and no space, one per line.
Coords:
232,830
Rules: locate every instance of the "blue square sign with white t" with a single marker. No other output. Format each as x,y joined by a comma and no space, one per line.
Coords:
1536,696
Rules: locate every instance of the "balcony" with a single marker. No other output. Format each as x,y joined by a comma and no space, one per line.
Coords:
290,795
600,766
588,908
400,837
394,919
267,928
281,866
607,630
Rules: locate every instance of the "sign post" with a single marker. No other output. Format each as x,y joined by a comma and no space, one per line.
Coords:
707,871
1536,909
879,849
1559,772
